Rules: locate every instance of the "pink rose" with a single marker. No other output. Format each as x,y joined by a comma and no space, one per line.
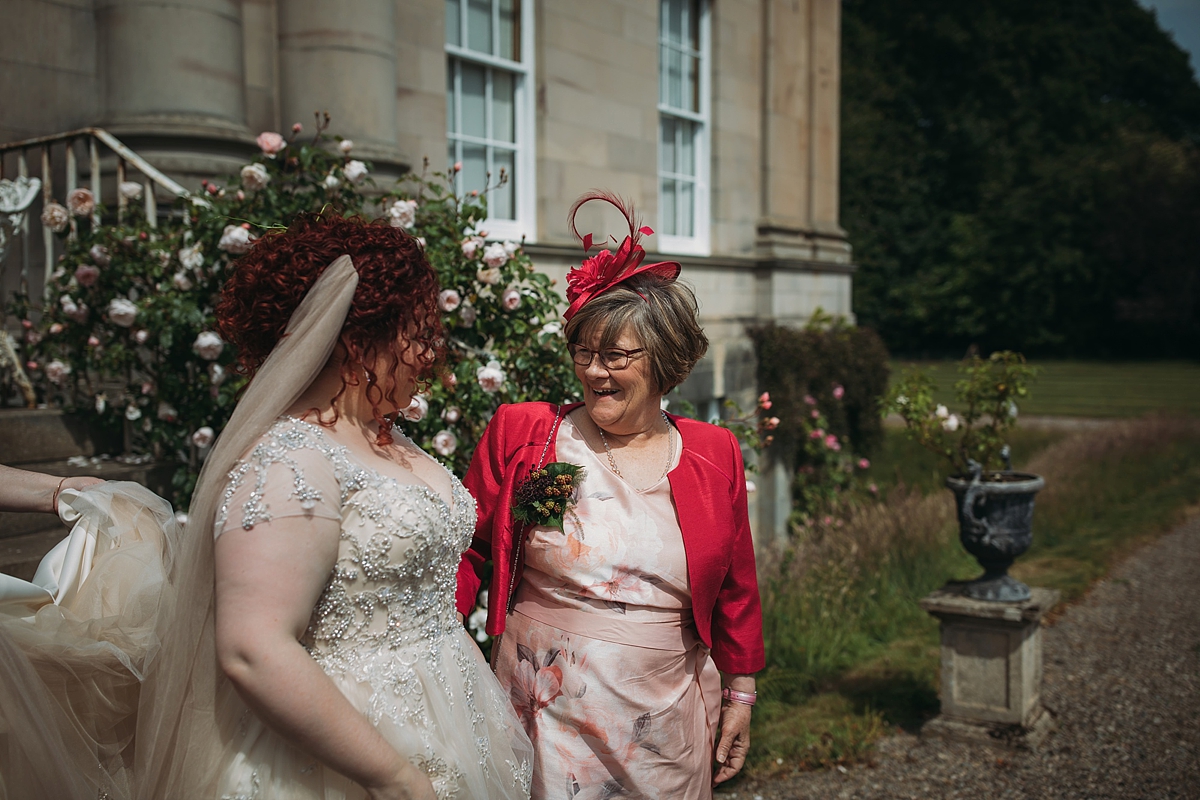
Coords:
511,299
81,202
451,414
491,378
87,275
863,463
808,398
56,328
445,443
297,127
495,256
55,217
449,300
57,371
832,443
471,245
270,143
817,433
93,341
764,401
417,408
771,424
815,414
838,391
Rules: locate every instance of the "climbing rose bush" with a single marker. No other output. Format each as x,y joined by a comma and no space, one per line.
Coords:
127,336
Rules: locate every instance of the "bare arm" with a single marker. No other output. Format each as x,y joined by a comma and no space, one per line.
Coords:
22,490
268,580
734,742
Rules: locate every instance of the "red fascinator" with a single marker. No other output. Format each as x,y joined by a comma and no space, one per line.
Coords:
606,269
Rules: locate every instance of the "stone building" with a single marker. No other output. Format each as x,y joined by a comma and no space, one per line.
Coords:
718,118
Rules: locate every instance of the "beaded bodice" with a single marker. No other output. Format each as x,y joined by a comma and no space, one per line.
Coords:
393,584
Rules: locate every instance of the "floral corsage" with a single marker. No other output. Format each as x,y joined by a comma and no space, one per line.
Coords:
547,494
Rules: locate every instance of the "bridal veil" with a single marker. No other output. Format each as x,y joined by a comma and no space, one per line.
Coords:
109,685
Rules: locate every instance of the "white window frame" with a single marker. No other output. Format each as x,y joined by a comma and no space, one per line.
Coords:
700,242
524,121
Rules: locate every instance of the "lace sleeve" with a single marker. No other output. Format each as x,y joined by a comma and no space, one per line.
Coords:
286,474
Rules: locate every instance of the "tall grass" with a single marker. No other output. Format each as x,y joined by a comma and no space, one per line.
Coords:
850,655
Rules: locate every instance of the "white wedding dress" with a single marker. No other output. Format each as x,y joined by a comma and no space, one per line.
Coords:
384,629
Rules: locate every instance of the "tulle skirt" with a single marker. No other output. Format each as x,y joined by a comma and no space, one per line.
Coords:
449,718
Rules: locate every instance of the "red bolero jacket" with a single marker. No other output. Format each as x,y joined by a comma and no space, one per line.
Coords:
709,489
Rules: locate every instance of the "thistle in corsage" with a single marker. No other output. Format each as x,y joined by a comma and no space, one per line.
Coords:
547,494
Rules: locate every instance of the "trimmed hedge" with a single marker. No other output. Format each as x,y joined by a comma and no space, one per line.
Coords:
813,361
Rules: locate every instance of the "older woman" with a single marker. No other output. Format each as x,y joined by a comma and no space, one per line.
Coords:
616,622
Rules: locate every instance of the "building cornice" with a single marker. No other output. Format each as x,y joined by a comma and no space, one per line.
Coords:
573,254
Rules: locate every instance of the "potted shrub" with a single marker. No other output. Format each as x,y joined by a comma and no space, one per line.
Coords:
995,504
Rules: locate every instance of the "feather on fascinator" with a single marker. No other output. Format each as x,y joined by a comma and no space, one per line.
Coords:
606,269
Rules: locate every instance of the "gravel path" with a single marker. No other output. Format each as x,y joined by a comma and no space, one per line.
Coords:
1122,675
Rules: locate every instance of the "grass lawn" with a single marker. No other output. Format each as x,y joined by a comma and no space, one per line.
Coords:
851,656
1091,388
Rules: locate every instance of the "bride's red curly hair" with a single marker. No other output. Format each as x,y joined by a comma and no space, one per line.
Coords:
397,294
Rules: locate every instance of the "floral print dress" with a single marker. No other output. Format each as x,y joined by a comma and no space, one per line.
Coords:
600,655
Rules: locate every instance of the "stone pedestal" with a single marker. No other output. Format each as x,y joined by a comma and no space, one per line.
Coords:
991,668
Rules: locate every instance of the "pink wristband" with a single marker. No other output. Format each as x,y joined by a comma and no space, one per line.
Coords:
746,698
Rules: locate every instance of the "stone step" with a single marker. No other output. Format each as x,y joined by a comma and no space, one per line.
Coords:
20,555
30,436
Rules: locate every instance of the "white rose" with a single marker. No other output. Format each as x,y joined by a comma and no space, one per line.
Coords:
751,487
122,312
99,254
181,518
403,213
182,282
191,257
130,190
167,412
941,412
255,177
489,276
467,315
332,181
511,248
478,623
56,371
511,299
471,245
345,145
951,423
236,239
208,346
56,217
1012,409
449,299
203,437
101,403
79,313
451,414
133,413
491,378
216,374
494,255
142,336
551,329
354,171
418,407
445,443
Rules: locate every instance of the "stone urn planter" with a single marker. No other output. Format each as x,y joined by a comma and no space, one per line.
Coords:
995,518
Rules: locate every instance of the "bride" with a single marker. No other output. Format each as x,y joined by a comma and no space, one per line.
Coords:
313,650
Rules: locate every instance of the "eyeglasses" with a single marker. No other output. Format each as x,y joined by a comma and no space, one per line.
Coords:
612,358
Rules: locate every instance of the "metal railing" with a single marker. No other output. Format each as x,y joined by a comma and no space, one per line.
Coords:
49,153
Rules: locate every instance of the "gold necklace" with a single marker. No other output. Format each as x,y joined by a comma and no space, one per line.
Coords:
612,462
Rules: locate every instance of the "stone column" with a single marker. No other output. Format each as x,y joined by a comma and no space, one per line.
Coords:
801,82
172,68
344,62
174,85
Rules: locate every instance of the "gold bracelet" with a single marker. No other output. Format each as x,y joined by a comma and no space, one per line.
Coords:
54,497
